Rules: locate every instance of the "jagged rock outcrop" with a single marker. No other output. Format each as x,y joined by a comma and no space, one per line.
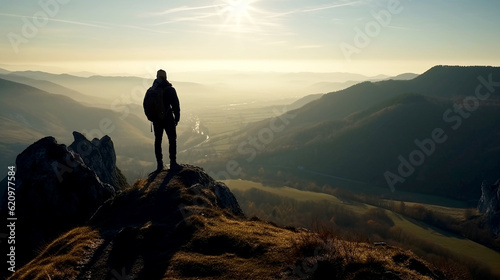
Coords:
184,225
167,198
100,156
489,204
56,190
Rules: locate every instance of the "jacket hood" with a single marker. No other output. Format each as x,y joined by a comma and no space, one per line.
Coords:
161,83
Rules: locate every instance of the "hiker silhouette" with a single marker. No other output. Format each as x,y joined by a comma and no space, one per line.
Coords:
167,120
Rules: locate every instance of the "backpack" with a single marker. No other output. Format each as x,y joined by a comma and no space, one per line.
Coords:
153,104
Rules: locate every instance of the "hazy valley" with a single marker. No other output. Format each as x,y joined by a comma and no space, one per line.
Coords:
398,160
99,105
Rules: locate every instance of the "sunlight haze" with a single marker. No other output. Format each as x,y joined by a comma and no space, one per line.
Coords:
367,36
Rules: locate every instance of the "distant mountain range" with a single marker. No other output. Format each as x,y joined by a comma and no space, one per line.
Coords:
363,133
210,88
438,134
104,91
51,87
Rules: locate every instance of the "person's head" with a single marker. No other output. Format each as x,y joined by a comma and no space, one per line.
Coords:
161,74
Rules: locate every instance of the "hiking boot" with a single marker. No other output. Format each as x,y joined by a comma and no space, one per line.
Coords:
175,166
159,167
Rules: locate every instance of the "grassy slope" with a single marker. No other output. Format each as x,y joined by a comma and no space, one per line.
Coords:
283,191
223,248
454,243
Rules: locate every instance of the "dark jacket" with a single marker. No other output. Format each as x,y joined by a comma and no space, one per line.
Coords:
170,100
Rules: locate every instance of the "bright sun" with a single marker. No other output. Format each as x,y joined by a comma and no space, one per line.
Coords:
237,12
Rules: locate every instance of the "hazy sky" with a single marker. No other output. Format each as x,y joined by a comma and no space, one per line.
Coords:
366,36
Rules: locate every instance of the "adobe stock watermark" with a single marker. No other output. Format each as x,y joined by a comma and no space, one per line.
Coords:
197,191
256,143
308,266
372,29
427,147
136,95
31,25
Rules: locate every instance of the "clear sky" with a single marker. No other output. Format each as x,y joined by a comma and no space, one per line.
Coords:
365,36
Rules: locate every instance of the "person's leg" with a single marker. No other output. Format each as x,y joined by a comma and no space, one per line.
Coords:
158,129
172,142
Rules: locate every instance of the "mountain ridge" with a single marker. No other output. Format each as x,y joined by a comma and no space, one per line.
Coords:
362,131
52,88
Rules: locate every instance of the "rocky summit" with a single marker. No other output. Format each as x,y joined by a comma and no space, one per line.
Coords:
185,225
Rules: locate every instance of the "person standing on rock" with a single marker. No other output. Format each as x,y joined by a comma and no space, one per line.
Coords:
170,112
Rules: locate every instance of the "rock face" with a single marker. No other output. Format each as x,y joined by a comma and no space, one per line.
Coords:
100,156
56,190
489,204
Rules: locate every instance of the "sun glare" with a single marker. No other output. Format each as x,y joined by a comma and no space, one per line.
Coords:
236,13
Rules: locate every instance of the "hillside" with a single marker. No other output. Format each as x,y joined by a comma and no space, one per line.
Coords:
54,88
440,81
185,225
363,133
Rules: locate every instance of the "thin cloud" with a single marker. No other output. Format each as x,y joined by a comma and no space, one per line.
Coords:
131,27
184,14
276,15
184,9
96,24
331,7
309,10
58,20
194,18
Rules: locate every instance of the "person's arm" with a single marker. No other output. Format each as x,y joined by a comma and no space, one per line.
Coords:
176,109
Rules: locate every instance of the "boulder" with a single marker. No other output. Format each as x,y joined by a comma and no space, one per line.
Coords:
55,191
